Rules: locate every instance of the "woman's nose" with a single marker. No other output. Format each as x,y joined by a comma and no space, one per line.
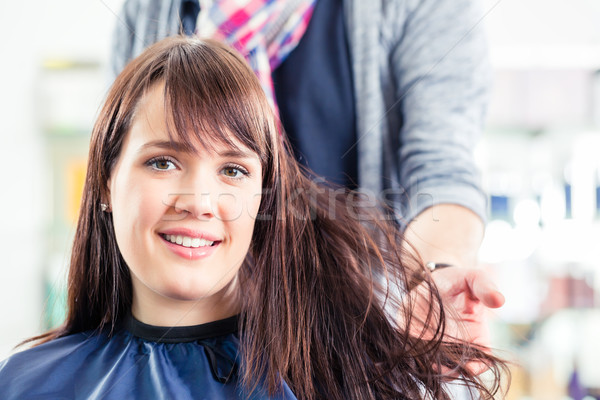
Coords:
199,205
195,196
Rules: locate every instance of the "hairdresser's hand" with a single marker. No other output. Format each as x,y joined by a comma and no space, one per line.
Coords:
452,234
468,293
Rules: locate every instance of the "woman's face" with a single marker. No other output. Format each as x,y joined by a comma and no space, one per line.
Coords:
183,221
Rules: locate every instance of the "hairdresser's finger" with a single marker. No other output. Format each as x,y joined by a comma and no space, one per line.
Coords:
484,289
475,367
476,330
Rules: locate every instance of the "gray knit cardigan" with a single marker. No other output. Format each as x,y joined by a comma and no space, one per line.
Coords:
421,81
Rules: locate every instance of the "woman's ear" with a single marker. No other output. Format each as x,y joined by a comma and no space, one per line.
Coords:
105,202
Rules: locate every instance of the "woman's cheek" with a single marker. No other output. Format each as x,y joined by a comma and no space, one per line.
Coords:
238,206
254,204
157,196
229,206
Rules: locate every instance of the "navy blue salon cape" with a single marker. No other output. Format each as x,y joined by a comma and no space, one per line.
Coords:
138,362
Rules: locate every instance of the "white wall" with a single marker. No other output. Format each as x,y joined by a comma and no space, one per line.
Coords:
544,33
31,32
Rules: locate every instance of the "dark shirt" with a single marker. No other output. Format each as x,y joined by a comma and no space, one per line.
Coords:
314,93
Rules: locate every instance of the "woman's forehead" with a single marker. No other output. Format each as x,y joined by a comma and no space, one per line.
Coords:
153,126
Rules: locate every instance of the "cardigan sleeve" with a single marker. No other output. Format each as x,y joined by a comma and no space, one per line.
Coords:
123,38
441,82
140,24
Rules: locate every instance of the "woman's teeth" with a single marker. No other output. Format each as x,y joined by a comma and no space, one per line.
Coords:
187,241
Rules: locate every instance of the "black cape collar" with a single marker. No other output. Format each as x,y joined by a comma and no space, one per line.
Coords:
179,334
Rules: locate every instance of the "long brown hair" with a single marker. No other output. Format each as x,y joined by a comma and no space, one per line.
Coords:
325,281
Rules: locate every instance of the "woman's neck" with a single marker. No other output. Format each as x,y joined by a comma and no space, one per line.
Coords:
153,309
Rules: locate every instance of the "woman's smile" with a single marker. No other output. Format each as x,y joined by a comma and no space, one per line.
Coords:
190,244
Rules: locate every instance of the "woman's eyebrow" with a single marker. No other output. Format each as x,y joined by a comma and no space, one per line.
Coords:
180,147
167,145
237,153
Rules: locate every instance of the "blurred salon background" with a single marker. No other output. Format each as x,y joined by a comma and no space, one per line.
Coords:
539,158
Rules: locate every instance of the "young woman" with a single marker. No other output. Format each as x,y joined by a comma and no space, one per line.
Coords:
206,264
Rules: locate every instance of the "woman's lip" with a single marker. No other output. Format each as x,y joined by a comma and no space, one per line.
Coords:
191,233
191,253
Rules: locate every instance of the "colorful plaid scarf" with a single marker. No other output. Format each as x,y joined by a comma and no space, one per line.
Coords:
264,31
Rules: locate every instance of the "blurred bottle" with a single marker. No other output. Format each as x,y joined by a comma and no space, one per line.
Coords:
575,388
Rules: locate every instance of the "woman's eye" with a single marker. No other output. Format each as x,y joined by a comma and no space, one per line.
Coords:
162,164
234,172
